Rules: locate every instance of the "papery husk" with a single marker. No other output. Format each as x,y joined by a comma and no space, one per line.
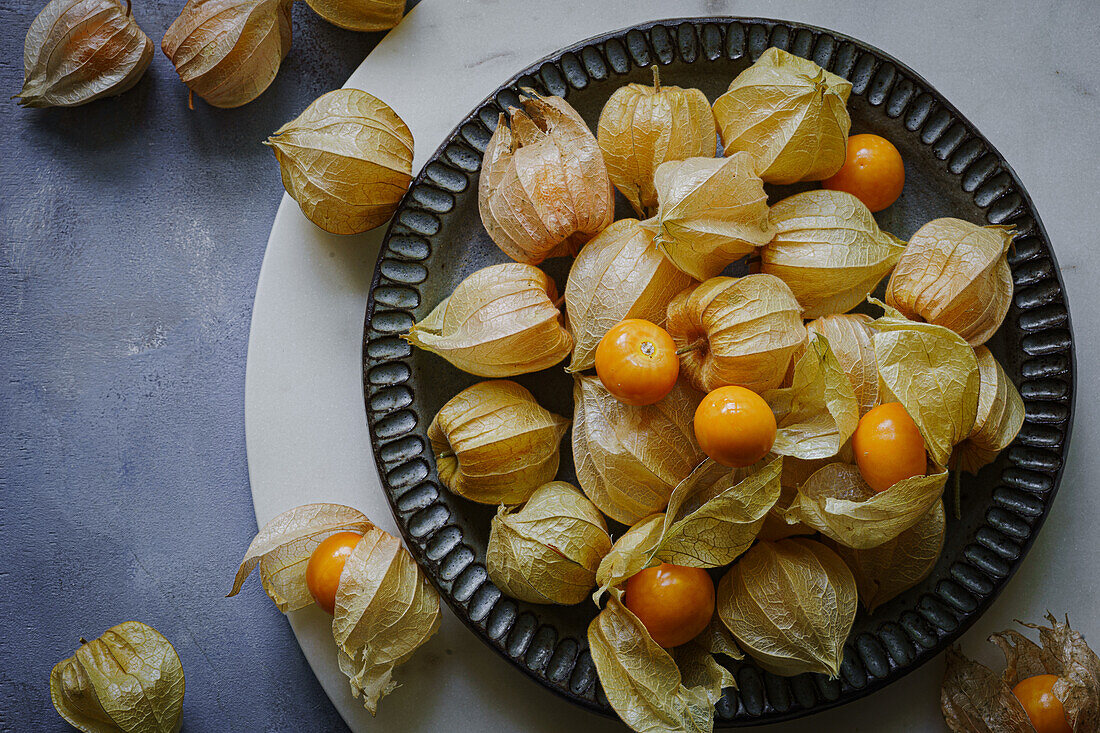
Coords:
794,474
790,114
741,331
229,51
385,610
499,322
548,551
933,373
999,418
629,459
642,127
494,444
282,548
642,681
974,700
360,15
829,250
955,274
790,605
632,553
346,160
620,274
837,502
895,566
849,336
129,680
543,189
712,212
80,50
818,412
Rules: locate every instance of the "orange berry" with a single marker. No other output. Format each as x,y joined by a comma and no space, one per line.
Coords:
1044,709
735,426
888,446
674,603
873,172
636,360
325,565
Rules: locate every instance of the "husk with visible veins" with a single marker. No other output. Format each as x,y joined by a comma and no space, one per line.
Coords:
80,50
629,459
955,274
712,212
346,160
282,548
790,605
741,331
829,250
494,444
620,274
549,550
385,610
849,336
790,115
643,126
543,189
129,680
229,51
837,502
895,566
1000,416
499,322
631,553
360,15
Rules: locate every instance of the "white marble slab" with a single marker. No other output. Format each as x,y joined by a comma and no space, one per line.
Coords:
1024,74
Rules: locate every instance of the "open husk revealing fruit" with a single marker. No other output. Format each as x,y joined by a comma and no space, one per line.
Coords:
495,444
629,459
631,553
548,551
643,126
346,160
711,212
543,189
849,336
618,275
955,274
790,115
741,331
829,250
360,15
1000,416
499,322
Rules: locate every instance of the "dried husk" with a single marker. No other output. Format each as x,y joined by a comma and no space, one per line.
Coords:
790,114
385,610
620,274
229,51
849,336
712,212
837,502
933,373
633,552
741,331
955,274
629,459
895,566
494,444
829,250
360,15
973,698
129,680
80,50
499,322
548,551
282,548
999,418
642,127
790,605
543,189
346,160
642,681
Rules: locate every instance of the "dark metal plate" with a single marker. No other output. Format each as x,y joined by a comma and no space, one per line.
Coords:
437,239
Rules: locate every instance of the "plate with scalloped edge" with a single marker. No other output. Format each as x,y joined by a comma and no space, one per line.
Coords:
436,239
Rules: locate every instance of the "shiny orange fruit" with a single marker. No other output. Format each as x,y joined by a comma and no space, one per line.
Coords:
636,360
888,446
735,426
325,565
674,603
1045,710
872,172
